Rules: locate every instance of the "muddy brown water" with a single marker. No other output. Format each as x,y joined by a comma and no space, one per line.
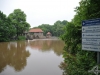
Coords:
32,57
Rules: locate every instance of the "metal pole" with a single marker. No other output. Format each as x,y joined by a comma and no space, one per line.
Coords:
98,58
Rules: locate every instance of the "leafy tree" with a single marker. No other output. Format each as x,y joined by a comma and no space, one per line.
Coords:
64,22
46,28
56,29
6,28
18,19
93,9
79,61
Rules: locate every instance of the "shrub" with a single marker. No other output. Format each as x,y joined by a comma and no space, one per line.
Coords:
21,38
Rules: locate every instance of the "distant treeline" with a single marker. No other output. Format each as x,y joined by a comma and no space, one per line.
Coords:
56,30
13,26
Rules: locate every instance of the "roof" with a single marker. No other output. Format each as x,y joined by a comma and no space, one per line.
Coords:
48,33
35,30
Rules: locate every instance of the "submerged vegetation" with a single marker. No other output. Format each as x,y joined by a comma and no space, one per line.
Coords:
78,61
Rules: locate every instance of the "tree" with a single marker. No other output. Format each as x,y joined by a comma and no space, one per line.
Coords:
18,19
56,29
46,28
6,28
79,61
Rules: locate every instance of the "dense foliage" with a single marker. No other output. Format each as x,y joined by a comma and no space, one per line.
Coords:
18,19
77,61
56,29
12,26
6,28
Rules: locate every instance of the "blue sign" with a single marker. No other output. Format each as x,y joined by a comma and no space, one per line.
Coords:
91,22
91,35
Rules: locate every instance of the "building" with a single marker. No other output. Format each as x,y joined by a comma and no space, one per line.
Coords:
36,33
48,35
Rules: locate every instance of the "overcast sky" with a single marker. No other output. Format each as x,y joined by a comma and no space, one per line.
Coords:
41,11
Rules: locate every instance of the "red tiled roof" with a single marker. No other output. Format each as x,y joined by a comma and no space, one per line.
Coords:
35,30
48,33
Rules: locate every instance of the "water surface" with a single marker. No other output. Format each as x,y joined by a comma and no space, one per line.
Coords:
36,57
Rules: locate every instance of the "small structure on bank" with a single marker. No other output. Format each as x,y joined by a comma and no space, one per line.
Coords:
35,33
48,35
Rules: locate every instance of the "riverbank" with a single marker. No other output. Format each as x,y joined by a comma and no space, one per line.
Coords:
52,37
44,37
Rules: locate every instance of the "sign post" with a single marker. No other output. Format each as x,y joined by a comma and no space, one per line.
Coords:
98,57
91,39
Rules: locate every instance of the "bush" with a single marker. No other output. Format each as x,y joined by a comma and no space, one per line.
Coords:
77,60
21,38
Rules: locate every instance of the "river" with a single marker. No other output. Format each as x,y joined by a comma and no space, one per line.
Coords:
32,57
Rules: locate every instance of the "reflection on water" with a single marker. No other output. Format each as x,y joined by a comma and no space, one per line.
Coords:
36,57
47,45
13,54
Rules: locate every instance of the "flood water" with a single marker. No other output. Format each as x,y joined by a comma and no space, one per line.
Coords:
35,57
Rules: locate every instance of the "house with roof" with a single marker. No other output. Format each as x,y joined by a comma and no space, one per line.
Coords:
48,35
36,33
